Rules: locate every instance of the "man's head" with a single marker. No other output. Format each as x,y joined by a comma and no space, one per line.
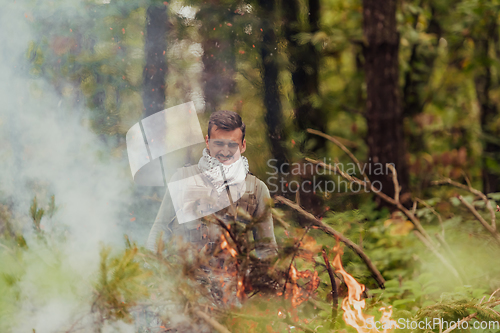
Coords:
226,136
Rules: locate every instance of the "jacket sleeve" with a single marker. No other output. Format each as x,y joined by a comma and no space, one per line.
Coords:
266,246
162,225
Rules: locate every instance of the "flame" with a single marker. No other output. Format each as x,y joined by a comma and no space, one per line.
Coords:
353,305
225,245
300,294
240,291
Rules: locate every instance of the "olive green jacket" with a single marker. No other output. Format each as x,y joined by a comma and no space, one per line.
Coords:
166,223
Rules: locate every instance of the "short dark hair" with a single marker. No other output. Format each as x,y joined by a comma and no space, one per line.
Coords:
227,121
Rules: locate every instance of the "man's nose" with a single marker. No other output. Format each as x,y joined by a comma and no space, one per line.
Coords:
225,150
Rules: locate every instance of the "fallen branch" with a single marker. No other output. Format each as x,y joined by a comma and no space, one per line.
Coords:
329,230
334,292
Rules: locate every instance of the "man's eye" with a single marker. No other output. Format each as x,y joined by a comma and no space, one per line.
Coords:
219,143
233,145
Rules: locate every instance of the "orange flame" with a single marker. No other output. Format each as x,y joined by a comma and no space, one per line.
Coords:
301,294
225,245
353,305
240,291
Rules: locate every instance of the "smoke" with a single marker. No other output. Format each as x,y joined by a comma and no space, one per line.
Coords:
45,150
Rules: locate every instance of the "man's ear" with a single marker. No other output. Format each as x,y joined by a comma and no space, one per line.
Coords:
206,142
243,146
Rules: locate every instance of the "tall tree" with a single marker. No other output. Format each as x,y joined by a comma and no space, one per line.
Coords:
486,37
383,108
270,71
156,65
304,60
219,61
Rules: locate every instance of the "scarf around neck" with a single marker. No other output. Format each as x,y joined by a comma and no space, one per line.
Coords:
235,173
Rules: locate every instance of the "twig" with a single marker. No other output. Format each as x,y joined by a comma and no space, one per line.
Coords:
280,220
212,322
478,216
489,299
334,293
233,237
384,197
295,248
397,188
339,144
394,201
473,191
329,230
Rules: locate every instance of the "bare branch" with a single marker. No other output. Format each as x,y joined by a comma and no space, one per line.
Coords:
334,293
397,188
469,188
478,216
339,144
329,230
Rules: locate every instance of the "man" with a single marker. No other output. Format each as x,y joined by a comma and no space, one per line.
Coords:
219,182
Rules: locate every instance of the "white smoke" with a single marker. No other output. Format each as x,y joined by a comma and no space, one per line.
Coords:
45,150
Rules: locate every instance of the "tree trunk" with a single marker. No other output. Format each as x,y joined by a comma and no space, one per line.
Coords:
272,102
484,83
156,66
383,110
218,54
304,60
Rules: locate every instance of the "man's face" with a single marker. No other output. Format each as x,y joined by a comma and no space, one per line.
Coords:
226,146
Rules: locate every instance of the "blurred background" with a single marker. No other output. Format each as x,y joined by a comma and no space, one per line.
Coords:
414,83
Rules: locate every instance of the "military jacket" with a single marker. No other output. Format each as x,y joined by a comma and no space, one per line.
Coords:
253,200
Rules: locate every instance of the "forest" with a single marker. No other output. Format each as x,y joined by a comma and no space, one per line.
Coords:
374,124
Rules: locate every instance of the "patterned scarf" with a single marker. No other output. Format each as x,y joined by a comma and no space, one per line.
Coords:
211,167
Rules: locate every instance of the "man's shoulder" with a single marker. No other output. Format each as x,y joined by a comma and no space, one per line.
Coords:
260,187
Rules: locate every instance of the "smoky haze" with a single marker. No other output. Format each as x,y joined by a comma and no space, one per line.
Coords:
45,150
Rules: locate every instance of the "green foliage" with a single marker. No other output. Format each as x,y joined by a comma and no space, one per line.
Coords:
36,214
119,285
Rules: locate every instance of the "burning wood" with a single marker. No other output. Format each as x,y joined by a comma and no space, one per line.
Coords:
353,305
225,245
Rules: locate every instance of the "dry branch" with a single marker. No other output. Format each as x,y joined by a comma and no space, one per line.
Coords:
329,230
472,190
394,201
478,216
335,292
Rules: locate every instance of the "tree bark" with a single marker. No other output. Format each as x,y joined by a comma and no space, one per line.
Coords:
270,72
304,66
218,53
156,65
484,84
383,109
304,60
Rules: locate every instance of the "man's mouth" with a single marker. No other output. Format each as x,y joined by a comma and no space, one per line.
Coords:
223,159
